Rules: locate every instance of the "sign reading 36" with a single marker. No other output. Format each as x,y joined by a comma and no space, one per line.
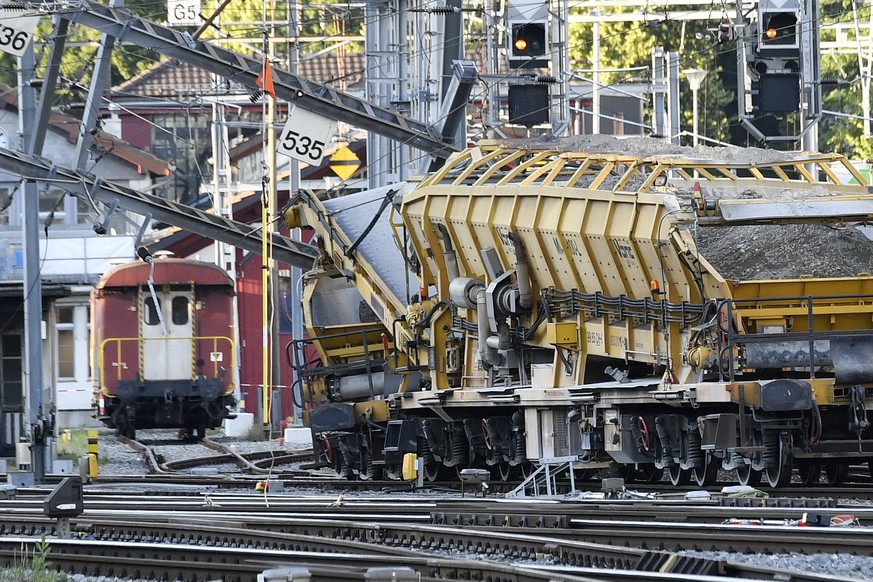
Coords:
17,24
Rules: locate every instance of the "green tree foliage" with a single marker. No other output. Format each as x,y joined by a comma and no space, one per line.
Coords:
841,89
241,26
843,134
77,60
317,25
628,45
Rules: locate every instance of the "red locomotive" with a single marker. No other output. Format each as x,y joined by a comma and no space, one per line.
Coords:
162,346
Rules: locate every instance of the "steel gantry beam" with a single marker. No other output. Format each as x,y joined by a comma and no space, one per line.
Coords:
209,225
322,99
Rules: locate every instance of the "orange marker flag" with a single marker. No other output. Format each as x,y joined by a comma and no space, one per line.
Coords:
265,79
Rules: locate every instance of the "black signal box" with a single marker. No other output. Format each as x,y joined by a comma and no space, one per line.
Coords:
66,500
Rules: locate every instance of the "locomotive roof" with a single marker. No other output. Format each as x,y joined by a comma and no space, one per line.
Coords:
167,270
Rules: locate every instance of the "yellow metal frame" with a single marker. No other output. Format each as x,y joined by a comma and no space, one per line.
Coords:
598,223
504,163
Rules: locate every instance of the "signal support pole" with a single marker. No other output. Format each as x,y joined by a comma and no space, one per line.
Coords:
37,426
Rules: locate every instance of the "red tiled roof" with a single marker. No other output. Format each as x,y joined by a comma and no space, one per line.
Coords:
174,80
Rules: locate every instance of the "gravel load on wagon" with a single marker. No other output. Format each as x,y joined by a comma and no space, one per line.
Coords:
762,252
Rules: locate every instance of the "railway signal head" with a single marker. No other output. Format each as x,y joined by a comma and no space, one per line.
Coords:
527,31
778,28
529,39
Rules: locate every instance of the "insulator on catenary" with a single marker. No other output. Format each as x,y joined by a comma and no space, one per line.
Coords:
443,10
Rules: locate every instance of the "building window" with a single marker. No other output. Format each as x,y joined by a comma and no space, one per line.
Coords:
66,343
72,330
86,213
185,141
10,369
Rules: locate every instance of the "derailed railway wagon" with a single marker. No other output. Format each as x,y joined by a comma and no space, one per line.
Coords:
162,346
533,304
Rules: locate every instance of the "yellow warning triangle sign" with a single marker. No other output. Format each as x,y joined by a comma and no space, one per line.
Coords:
344,163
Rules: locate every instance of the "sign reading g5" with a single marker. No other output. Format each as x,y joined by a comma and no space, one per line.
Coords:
183,12
17,24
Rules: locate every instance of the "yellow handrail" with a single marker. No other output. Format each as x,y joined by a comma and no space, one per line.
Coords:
107,345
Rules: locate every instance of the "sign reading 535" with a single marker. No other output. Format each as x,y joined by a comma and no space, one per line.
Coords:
17,24
305,136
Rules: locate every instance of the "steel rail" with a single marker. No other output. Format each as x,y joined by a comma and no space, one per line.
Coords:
257,460
409,530
430,510
234,564
154,464
399,542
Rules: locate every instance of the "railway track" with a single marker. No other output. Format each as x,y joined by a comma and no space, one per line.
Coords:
221,536
454,511
201,531
255,463
257,510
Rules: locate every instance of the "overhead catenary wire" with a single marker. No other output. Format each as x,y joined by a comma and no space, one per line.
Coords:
629,77
619,81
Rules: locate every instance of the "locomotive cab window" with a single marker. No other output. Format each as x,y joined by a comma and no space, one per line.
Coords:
180,310
150,311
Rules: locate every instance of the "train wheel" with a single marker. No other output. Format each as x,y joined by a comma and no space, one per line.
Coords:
654,474
527,469
457,450
836,474
810,473
748,476
780,475
431,467
432,470
708,473
502,471
365,473
678,475
341,466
